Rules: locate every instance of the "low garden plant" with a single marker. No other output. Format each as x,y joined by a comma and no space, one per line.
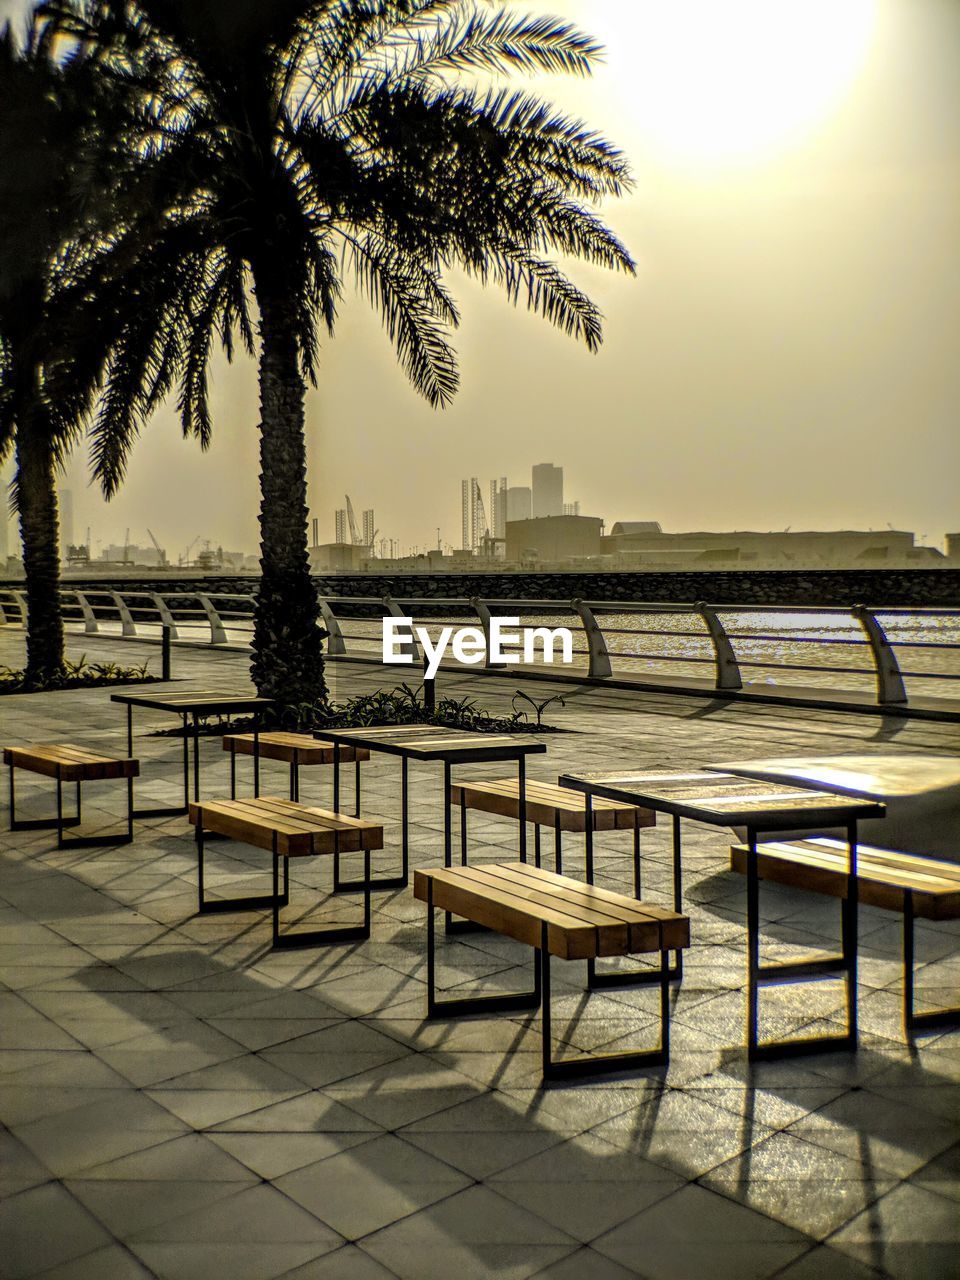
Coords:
80,674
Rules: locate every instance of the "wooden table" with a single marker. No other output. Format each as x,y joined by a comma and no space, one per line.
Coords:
726,800
432,743
190,706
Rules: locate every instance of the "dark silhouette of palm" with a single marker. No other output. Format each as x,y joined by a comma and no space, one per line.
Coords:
52,131
293,143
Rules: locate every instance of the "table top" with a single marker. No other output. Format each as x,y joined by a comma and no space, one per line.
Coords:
434,742
201,701
726,800
873,777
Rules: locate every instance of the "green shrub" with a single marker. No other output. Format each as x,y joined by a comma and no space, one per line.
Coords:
77,675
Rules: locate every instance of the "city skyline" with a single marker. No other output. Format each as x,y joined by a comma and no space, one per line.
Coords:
785,358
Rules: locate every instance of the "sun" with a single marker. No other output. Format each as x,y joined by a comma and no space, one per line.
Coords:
712,82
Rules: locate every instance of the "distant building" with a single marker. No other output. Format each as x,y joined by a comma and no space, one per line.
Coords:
519,504
338,557
553,538
547,490
498,507
66,521
643,544
571,509
369,529
953,547
340,526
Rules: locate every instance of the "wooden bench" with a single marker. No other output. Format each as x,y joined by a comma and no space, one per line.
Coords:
68,763
549,805
917,887
293,749
286,829
556,916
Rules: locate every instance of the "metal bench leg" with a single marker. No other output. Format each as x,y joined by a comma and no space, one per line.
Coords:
557,846
39,824
384,882
629,977
602,1063
209,906
90,842
356,786
317,937
637,881
932,1019
471,1004
844,965
233,772
451,925
536,844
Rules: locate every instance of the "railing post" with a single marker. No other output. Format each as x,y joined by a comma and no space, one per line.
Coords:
596,644
336,645
217,633
90,623
890,686
409,642
166,617
21,600
728,669
128,626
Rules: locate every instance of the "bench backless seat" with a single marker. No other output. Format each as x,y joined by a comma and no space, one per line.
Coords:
286,829
917,887
69,763
556,916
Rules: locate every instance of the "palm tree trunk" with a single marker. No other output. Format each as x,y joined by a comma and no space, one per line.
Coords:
287,638
36,494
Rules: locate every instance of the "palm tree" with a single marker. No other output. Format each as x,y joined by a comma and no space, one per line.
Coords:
45,121
293,142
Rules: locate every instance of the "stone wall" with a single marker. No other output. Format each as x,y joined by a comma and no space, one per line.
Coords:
878,588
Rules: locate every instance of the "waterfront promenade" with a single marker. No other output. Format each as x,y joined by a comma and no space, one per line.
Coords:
178,1101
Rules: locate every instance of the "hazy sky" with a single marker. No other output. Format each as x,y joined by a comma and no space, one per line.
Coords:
787,356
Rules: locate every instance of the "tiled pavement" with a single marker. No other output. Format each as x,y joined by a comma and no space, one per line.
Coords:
179,1102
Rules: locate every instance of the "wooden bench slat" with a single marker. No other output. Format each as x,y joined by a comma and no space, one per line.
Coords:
546,802
883,875
70,762
300,831
498,909
672,928
582,923
286,747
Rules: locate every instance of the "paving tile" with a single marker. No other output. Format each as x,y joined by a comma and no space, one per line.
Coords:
811,1188
19,1168
474,1234
43,1227
371,1186
824,1263
911,1234
697,1233
89,1135
270,1155
585,1186
347,1263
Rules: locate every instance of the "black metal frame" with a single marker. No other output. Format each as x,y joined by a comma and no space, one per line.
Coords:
64,821
450,924
539,998
384,882
276,900
295,766
634,977
925,1020
842,965
169,811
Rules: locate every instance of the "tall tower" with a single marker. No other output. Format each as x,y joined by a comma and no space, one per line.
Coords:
547,490
66,521
340,520
498,507
518,503
369,528
469,514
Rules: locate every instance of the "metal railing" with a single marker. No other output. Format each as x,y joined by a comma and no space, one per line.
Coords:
707,638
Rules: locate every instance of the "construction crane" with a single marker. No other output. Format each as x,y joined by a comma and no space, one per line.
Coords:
185,558
161,554
355,536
